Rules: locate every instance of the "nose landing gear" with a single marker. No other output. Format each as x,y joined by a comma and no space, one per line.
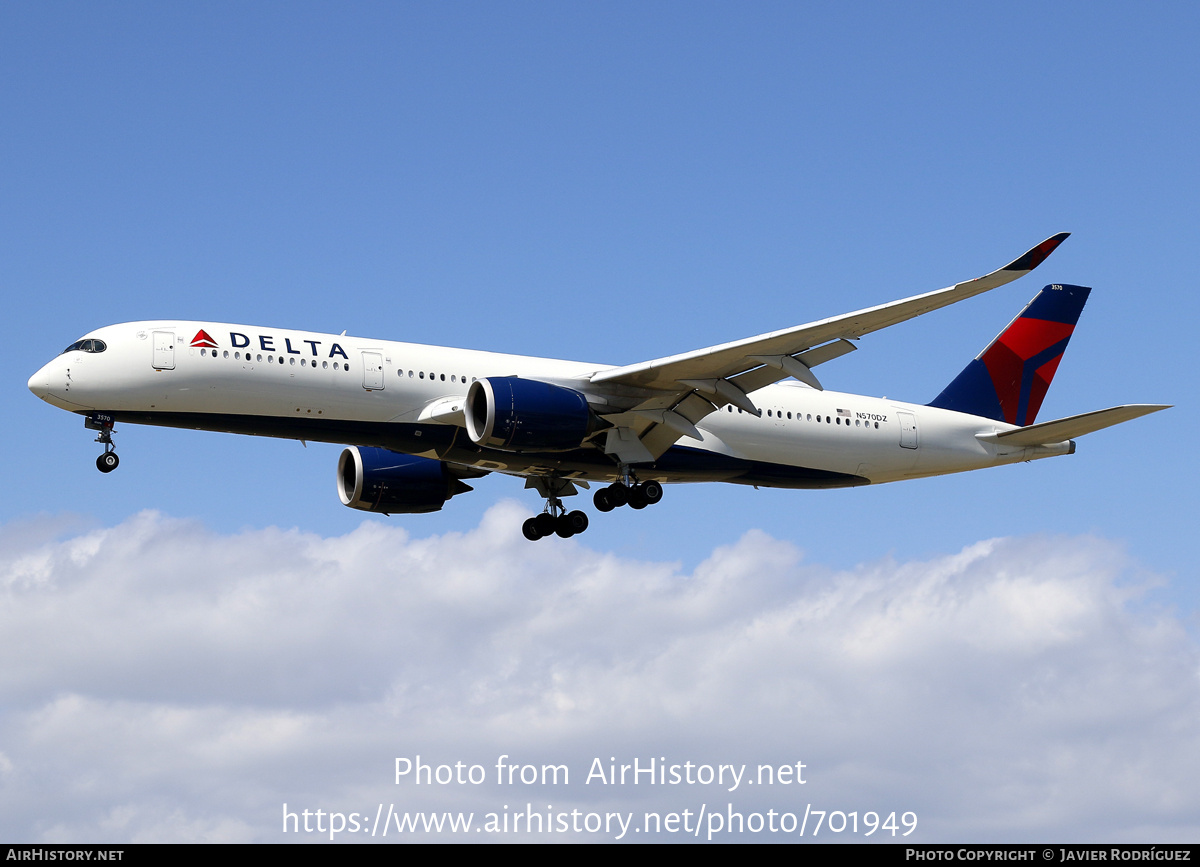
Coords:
108,461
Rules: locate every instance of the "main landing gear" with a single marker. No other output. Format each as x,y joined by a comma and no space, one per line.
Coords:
637,496
556,520
108,461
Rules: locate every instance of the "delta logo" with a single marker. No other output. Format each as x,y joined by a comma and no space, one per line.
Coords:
202,338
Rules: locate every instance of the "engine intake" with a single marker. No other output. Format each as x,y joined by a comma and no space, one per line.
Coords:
514,414
379,480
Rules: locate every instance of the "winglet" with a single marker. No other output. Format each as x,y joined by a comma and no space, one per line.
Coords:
1037,255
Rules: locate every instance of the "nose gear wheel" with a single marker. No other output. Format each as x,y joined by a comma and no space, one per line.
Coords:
108,461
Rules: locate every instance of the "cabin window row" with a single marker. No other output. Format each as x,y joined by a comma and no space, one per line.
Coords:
420,374
827,419
271,359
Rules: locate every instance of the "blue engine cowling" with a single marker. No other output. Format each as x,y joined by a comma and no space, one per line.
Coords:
378,480
514,414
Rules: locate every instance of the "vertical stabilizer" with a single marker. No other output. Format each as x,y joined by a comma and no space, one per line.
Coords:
1008,380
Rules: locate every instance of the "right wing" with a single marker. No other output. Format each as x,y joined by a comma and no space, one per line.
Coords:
679,390
730,359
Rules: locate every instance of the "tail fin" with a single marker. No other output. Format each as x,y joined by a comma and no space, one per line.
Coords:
1009,379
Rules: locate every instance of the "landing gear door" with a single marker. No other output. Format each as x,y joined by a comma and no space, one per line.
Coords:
908,430
372,371
164,350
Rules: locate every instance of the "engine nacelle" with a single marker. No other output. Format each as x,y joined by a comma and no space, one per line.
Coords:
514,414
378,480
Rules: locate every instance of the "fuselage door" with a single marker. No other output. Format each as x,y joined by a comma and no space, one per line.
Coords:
164,350
908,430
372,371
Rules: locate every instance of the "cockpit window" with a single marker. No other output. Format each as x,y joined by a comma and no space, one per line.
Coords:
89,345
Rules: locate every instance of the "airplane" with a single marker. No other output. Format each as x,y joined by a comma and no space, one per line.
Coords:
418,421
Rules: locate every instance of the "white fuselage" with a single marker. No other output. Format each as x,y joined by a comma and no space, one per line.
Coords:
357,391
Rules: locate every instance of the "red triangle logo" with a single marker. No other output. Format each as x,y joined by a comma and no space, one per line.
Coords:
202,339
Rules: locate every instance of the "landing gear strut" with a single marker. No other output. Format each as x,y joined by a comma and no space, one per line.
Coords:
555,520
108,461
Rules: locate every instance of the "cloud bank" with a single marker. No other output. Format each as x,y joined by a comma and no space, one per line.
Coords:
161,683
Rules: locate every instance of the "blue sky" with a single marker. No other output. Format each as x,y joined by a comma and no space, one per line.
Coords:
611,183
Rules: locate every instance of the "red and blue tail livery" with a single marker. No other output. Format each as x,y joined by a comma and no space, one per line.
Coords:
1008,380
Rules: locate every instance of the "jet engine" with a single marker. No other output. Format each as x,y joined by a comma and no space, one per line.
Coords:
378,480
514,415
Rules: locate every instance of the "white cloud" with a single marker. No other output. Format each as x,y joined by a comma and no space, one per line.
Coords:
165,683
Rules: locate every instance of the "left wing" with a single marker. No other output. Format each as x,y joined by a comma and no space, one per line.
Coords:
682,389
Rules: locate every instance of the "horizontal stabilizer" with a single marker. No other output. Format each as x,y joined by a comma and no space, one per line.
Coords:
1064,429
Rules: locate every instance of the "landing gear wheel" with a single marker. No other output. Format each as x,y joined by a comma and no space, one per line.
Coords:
555,519
545,524
578,521
107,462
618,494
652,491
602,501
637,498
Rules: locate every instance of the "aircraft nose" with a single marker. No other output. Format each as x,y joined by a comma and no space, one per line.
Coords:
39,383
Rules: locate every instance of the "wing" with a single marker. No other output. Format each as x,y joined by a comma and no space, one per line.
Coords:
679,390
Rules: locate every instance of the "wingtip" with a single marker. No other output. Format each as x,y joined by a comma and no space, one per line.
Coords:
1038,254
